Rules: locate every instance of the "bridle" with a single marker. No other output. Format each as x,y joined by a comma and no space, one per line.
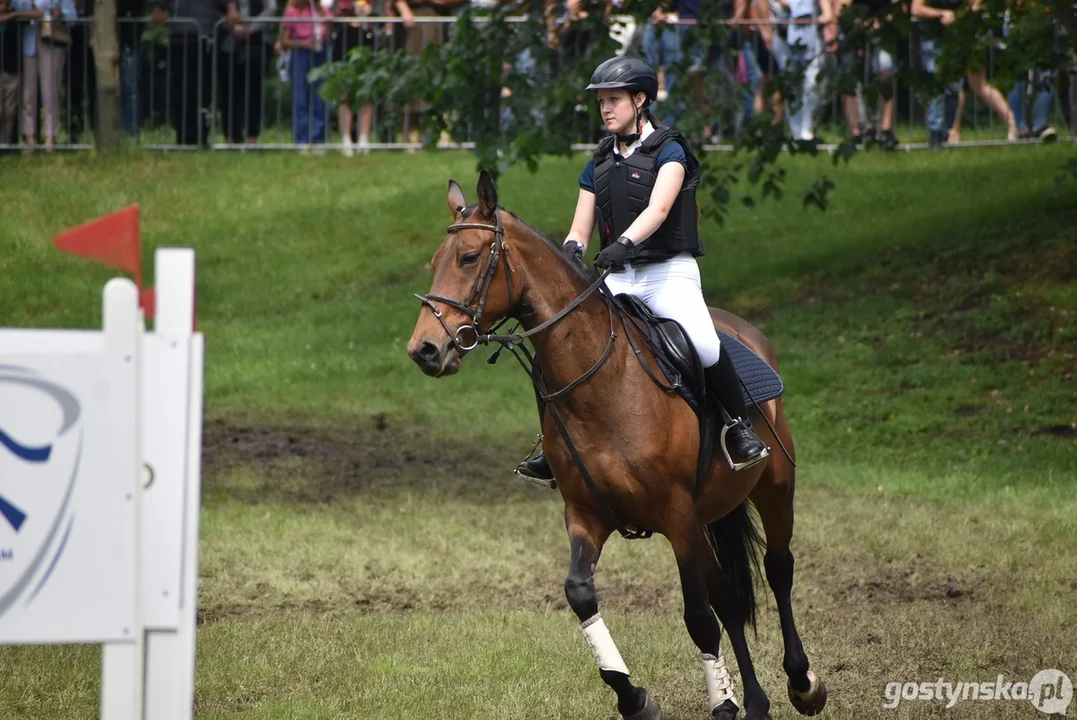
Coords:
481,289
478,291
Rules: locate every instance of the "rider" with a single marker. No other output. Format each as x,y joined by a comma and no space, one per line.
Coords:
641,184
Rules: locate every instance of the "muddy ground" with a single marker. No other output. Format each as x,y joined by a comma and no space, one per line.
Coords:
341,463
886,588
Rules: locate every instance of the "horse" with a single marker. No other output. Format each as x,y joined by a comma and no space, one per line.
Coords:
624,449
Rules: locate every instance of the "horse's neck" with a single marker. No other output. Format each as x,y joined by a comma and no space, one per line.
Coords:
573,344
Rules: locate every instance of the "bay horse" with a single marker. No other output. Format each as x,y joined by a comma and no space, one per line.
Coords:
623,449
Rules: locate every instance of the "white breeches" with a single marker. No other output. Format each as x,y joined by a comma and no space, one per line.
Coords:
672,289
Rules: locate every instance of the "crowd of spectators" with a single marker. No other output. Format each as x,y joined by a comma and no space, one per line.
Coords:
223,71
803,37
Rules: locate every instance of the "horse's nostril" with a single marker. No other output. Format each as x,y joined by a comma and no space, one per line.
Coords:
428,351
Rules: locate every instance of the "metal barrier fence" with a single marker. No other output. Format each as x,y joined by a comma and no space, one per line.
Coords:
183,88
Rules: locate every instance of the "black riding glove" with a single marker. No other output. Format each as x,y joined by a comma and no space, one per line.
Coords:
614,256
572,249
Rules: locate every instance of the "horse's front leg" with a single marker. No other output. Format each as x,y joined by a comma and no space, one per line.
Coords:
587,535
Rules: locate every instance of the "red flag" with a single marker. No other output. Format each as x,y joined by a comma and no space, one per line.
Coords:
148,301
112,240
115,241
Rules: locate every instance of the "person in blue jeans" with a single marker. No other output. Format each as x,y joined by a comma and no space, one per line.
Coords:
1042,103
128,29
308,41
663,46
806,56
934,16
1040,82
665,43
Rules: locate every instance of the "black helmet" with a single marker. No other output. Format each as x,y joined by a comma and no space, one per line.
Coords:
626,72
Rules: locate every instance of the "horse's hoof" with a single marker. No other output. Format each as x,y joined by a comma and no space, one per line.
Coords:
650,710
811,701
726,711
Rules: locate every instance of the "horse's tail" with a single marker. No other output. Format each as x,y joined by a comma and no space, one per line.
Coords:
737,544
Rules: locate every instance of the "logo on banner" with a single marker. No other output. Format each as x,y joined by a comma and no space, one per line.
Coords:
40,448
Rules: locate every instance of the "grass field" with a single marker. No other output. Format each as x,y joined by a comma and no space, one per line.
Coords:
366,551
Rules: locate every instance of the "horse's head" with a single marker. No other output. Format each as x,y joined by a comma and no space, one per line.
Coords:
472,286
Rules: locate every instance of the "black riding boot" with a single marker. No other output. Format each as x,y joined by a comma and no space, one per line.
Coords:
723,384
536,468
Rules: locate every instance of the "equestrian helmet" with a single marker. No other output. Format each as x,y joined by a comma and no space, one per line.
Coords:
626,72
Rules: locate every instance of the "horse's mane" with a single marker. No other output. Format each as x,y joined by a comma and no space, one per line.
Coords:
585,274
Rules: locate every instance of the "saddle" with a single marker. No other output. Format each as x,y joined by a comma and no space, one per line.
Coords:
683,370
676,355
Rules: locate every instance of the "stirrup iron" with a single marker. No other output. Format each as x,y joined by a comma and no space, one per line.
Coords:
737,467
550,484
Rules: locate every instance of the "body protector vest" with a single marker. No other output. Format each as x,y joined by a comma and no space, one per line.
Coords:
623,189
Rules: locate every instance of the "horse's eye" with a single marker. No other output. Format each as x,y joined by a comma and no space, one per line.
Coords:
469,259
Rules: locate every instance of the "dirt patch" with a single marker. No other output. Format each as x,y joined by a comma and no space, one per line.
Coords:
889,585
861,601
393,599
400,600
1062,431
617,596
343,461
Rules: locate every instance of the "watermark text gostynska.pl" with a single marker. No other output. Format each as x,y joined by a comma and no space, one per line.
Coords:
1050,691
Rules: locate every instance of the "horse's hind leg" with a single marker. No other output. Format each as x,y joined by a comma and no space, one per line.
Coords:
731,588
586,536
694,561
773,497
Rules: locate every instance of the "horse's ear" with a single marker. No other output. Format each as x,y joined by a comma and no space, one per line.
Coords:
487,194
455,198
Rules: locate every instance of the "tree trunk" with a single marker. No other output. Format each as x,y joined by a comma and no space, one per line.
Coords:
106,49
